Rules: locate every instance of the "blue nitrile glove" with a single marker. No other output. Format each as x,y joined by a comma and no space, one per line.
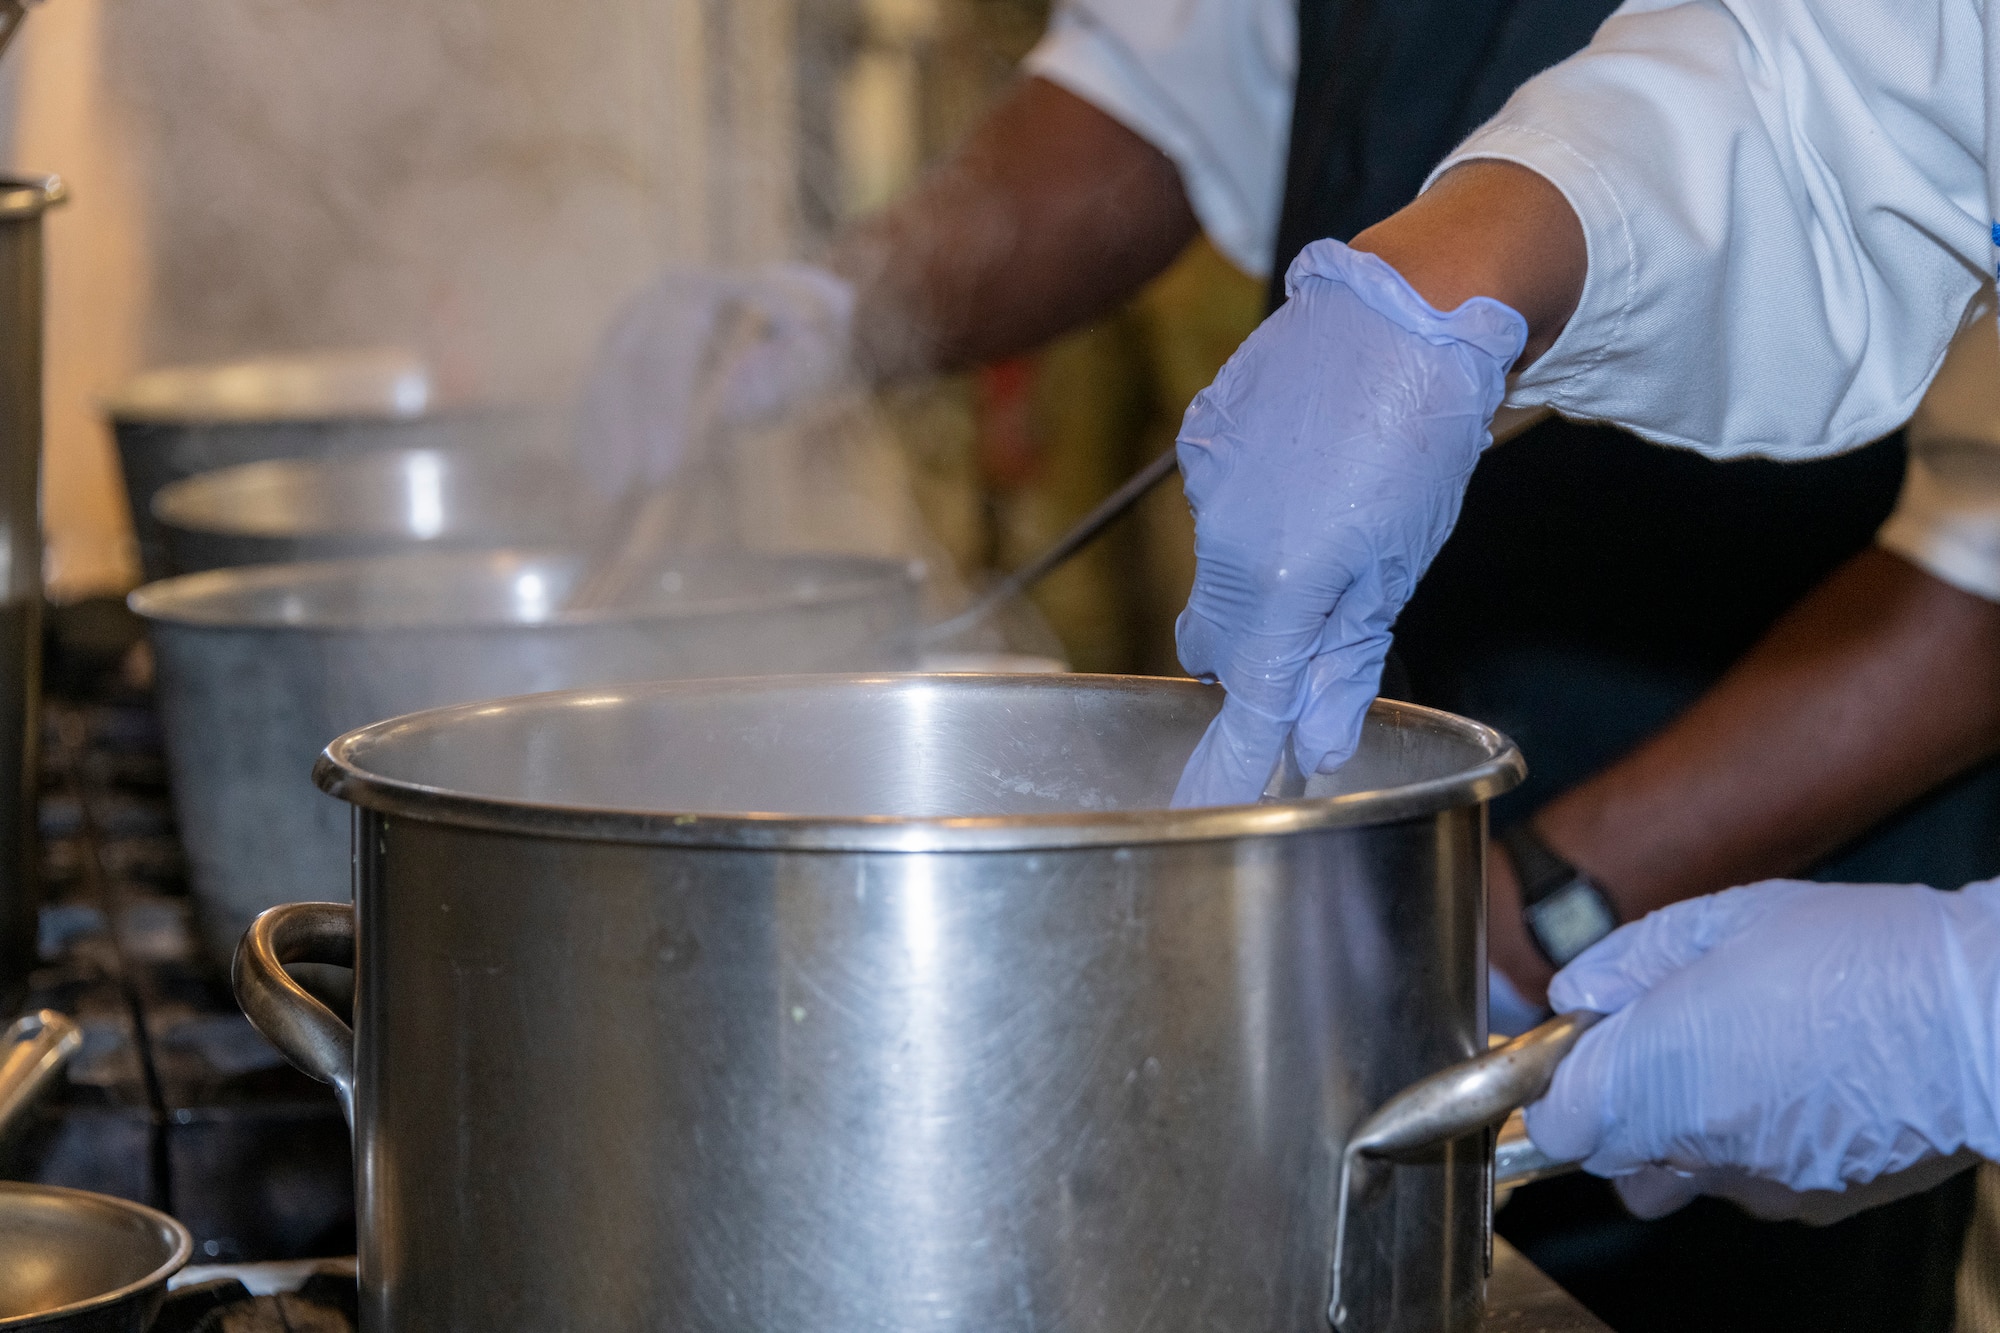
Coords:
639,402
1813,1035
1325,466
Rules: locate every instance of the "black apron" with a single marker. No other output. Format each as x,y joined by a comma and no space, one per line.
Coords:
1594,587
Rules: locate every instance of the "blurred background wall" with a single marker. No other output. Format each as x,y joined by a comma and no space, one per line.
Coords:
483,181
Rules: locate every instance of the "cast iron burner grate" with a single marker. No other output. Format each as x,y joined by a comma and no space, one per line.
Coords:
325,1304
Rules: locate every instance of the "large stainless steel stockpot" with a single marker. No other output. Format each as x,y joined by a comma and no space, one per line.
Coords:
259,667
892,1003
376,503
176,421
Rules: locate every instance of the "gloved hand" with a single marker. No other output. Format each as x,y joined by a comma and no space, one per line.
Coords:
640,403
1325,466
1813,1035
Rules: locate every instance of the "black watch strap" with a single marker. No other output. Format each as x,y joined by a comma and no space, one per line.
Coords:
1565,913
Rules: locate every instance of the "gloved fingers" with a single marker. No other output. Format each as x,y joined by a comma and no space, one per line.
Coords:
1773,1202
1234,760
1569,1123
1508,1012
633,417
1259,655
1341,682
1261,670
1655,1191
792,345
1636,957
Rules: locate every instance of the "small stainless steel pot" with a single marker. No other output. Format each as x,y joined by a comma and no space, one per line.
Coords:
377,503
84,1263
73,1262
258,668
890,1003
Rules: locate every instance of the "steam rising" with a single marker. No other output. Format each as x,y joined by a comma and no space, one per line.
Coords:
481,179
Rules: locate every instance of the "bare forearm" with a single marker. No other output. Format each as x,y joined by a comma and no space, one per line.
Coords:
1882,684
1490,229
1050,214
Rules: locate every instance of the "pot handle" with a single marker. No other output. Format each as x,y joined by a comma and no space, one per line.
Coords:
305,1031
33,1049
1467,1097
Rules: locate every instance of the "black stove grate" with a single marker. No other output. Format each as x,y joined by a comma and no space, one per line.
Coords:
175,1100
325,1304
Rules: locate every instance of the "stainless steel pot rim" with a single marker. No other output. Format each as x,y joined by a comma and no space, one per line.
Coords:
183,1250
189,600
339,774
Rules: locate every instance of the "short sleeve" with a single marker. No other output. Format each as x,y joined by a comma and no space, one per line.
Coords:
1784,202
1207,82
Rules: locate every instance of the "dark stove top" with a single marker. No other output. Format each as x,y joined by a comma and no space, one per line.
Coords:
1520,1299
323,1302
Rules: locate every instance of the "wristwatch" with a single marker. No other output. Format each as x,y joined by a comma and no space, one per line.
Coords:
1565,912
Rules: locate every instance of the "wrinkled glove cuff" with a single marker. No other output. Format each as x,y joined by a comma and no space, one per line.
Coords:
1491,326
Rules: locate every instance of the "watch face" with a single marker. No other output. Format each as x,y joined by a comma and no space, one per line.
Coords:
1570,920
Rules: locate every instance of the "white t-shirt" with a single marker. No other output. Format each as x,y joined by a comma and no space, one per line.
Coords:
1800,181
1208,83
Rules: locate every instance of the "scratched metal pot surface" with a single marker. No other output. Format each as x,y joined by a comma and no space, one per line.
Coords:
259,667
890,1004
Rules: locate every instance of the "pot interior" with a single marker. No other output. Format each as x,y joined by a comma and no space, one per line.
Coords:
933,748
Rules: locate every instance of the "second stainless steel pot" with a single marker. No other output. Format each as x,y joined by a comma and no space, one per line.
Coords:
381,502
259,667
174,422
893,1003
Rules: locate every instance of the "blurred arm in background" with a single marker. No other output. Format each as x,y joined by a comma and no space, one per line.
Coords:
1052,213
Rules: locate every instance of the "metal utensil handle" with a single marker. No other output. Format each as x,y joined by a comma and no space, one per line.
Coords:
1470,1096
1086,530
33,1049
12,14
652,520
1506,425
308,1033
1516,1159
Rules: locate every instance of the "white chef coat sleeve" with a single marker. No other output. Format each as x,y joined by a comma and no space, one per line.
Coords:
1208,83
1947,520
1785,209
